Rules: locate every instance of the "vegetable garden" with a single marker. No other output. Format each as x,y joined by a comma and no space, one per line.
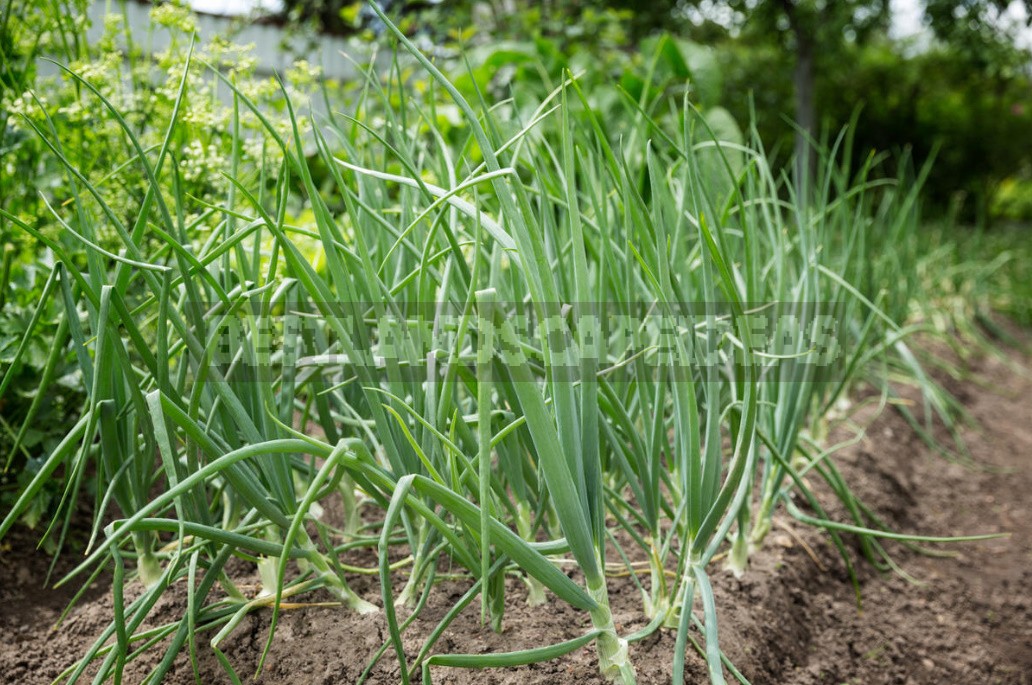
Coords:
357,341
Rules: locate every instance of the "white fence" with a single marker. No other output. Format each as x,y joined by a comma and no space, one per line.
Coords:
275,49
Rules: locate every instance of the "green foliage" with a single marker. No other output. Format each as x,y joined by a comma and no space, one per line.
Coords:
966,95
979,125
41,396
980,33
260,307
976,125
971,275
1013,200
41,389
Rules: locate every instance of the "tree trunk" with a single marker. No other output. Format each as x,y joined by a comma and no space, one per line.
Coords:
805,112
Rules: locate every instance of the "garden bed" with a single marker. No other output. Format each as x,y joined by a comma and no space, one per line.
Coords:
792,619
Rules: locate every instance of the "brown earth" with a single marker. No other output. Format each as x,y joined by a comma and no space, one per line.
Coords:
792,619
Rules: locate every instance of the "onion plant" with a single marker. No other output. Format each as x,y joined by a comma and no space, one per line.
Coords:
520,342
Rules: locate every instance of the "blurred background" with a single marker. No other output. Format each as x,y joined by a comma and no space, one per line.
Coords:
949,78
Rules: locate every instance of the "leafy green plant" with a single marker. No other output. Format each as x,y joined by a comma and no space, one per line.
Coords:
515,341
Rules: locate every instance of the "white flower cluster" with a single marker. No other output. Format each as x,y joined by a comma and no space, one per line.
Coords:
202,162
143,87
23,105
174,16
102,73
236,59
258,149
114,26
302,73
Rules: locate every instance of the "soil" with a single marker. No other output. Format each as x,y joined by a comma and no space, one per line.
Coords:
792,619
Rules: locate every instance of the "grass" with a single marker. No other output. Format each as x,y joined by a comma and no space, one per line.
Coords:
444,316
